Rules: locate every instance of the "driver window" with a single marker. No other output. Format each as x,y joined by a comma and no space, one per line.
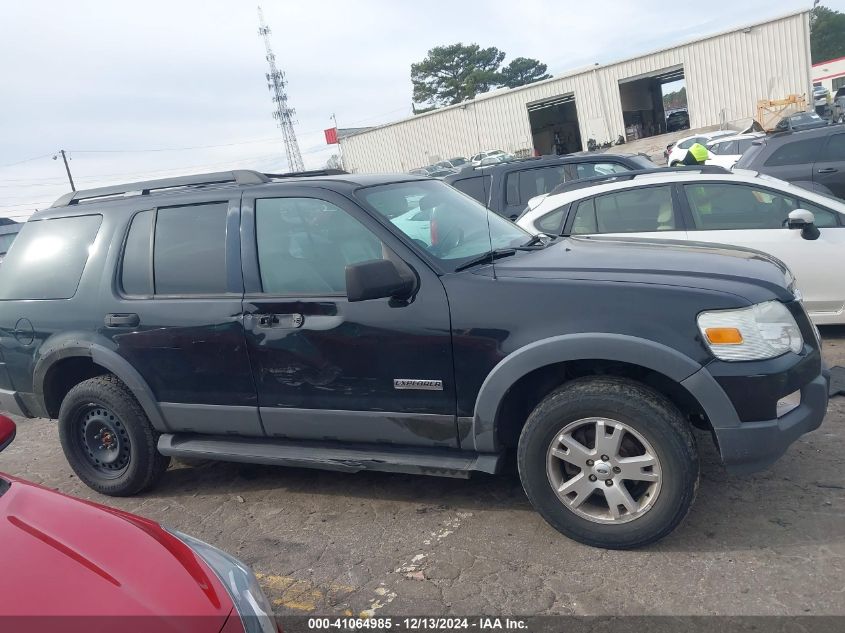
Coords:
305,244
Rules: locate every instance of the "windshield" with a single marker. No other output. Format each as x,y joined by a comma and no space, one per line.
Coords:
445,223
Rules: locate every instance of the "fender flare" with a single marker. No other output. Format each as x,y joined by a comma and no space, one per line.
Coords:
582,346
110,360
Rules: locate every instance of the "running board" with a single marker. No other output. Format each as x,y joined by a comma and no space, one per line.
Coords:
329,456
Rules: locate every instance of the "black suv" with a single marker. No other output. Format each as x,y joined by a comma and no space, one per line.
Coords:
507,188
317,321
813,159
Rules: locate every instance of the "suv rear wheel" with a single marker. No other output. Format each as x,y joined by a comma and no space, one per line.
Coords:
107,438
609,462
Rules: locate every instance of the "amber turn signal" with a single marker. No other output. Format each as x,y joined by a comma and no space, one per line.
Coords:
723,335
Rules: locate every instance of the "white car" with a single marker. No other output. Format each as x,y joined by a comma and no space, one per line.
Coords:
742,208
679,149
725,151
476,160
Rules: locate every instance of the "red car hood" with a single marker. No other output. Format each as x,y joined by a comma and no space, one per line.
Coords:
62,556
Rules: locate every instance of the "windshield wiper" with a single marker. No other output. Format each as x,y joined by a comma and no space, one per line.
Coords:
487,257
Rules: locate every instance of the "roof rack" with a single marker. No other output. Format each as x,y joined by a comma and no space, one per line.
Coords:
310,174
573,185
239,176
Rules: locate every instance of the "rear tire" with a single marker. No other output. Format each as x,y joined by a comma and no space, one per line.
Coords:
108,440
638,470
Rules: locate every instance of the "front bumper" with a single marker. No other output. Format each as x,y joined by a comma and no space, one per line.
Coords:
752,446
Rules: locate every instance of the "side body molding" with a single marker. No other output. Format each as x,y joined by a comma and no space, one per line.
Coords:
104,357
568,347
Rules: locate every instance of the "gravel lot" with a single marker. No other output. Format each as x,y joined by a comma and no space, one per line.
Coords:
328,543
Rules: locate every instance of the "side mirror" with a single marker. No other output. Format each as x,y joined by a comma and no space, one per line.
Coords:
806,221
376,279
7,431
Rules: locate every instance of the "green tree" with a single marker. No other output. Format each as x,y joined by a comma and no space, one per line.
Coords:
827,34
521,71
452,74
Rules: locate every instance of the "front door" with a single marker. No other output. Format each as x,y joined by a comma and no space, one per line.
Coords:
829,168
326,368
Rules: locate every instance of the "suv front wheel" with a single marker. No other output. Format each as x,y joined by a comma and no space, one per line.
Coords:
107,438
609,462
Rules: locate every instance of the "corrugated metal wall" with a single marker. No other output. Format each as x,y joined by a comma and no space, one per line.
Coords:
725,76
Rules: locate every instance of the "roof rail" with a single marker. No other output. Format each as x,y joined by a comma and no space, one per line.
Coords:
239,176
573,185
310,174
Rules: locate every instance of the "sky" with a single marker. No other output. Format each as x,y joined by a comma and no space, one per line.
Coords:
152,89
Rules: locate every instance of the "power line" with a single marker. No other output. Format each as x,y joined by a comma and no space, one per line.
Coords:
26,160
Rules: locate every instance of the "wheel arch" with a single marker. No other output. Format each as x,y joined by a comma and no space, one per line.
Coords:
552,359
85,359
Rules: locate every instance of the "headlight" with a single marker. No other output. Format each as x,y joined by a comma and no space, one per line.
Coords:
250,602
764,330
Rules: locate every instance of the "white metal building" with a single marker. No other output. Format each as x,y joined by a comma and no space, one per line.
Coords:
724,74
830,74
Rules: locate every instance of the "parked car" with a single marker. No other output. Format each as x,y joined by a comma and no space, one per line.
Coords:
838,106
477,158
800,121
453,163
289,320
104,563
813,159
726,150
8,233
740,209
507,188
441,172
678,150
822,102
678,120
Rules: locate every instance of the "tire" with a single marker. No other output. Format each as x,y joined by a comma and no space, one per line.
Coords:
102,411
646,422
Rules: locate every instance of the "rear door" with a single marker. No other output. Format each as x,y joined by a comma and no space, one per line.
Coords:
829,169
651,211
175,313
792,160
753,217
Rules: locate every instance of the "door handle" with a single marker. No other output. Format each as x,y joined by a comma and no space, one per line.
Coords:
122,320
289,321
828,170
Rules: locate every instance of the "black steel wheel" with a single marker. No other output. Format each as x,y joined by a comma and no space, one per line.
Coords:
107,438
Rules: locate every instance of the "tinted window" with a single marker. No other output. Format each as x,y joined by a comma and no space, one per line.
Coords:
725,147
551,222
729,206
477,187
835,148
635,210
533,182
48,258
305,244
190,249
794,153
690,142
742,145
136,274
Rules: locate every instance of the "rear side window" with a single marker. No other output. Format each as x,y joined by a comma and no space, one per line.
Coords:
523,185
477,187
551,222
189,253
794,153
136,273
630,211
48,258
835,149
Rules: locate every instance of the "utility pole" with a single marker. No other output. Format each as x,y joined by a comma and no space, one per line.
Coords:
339,147
67,168
283,113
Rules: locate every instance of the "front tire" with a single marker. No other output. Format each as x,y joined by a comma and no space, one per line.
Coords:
108,440
609,462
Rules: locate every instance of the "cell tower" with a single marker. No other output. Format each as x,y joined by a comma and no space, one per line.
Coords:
283,113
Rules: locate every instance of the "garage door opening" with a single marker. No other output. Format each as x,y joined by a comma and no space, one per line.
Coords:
554,125
654,104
